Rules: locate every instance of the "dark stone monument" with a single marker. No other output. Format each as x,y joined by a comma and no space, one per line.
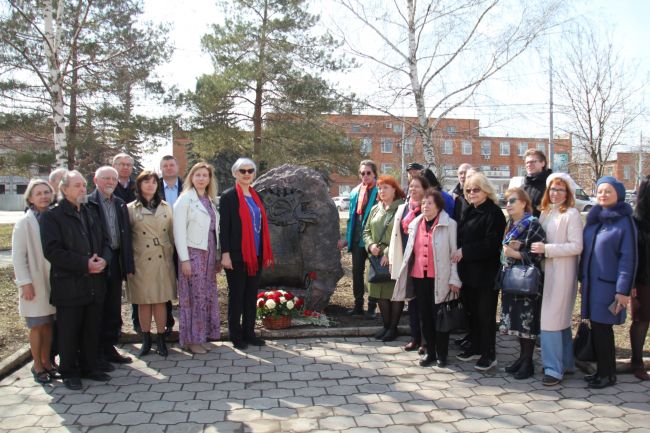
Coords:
304,229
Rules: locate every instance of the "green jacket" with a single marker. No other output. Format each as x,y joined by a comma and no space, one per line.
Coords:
375,225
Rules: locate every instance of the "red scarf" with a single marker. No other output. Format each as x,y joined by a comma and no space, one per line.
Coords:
364,195
414,210
247,236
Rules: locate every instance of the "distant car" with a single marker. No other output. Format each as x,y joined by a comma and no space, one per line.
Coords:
342,203
584,203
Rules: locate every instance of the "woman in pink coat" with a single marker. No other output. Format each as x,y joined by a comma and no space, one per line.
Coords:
563,226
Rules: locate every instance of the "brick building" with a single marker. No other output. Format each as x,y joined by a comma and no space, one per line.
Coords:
457,140
628,167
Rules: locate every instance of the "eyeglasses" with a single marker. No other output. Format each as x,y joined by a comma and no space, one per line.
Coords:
473,190
557,190
365,173
512,200
532,161
247,170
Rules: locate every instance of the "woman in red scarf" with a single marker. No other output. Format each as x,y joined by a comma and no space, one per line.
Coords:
245,249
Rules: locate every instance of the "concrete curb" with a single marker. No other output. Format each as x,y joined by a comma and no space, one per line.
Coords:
15,361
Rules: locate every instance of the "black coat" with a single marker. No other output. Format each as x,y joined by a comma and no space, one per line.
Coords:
70,239
230,228
535,187
643,268
127,194
460,202
127,265
480,232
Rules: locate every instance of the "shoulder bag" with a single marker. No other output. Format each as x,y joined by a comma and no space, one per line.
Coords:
378,273
524,279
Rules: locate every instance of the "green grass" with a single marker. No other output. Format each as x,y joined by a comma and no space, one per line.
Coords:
5,236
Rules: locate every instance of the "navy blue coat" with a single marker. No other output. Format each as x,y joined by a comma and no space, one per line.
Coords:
609,260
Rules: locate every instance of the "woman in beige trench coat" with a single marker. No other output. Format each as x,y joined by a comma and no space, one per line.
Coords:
154,281
563,226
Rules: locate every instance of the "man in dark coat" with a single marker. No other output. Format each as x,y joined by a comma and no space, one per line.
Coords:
460,202
115,219
76,245
125,188
536,174
169,189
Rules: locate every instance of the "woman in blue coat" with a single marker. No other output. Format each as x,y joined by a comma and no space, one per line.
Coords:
607,268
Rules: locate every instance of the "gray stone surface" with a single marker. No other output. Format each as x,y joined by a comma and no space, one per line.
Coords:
289,386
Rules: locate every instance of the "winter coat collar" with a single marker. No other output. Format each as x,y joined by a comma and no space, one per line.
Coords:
599,214
443,220
538,178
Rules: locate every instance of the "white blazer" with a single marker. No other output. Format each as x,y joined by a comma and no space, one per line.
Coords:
192,224
31,267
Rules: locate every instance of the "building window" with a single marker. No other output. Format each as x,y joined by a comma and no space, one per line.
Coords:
521,171
447,147
20,189
523,147
466,147
388,125
486,148
504,148
2,189
408,145
387,168
397,128
386,145
627,172
355,128
366,145
541,147
486,168
451,130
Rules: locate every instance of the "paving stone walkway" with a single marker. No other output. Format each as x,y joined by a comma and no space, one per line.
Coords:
351,385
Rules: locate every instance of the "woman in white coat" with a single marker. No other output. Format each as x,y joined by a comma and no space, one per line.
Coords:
32,273
428,273
563,226
405,214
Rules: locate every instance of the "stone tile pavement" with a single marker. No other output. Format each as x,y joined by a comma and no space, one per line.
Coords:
351,385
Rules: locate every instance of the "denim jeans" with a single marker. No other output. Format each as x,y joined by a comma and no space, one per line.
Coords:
557,352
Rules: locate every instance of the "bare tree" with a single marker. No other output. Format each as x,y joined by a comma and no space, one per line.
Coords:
602,97
439,52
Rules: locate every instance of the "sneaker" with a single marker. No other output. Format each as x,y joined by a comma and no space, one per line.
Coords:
550,380
468,356
485,363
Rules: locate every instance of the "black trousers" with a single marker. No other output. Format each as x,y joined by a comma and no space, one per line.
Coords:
359,257
414,320
603,339
437,342
481,304
78,334
111,321
242,299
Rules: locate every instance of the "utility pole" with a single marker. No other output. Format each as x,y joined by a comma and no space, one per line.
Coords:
550,90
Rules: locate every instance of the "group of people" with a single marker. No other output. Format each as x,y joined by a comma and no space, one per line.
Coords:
440,247
159,237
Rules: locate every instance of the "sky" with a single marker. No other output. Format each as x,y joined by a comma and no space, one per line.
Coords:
515,104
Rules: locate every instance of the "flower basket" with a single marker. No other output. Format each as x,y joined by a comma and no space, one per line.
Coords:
279,322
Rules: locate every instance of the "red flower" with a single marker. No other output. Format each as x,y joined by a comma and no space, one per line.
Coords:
260,303
299,302
312,275
288,296
260,295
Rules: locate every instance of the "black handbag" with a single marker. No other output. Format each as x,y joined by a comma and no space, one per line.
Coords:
521,279
377,273
451,315
583,346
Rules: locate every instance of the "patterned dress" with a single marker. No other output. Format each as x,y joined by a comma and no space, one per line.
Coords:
197,295
520,315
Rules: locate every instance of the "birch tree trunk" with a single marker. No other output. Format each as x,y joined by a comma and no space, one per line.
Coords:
52,38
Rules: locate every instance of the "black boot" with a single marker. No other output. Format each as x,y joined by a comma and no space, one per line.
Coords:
396,309
514,367
161,347
372,309
358,308
384,309
526,369
146,344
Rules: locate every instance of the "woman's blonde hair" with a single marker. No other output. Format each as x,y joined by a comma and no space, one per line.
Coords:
480,180
211,189
33,183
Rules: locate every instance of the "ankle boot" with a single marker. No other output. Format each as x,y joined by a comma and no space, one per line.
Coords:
161,347
396,309
146,344
526,370
514,367
372,309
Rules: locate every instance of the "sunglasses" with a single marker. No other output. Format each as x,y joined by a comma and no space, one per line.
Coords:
245,171
473,190
365,173
512,200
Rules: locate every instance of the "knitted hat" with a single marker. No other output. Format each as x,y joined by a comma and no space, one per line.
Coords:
618,186
566,178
